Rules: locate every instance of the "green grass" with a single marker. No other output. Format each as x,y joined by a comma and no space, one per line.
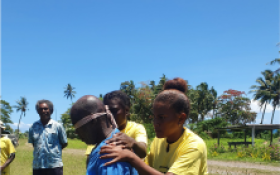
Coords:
232,156
74,164
76,144
74,159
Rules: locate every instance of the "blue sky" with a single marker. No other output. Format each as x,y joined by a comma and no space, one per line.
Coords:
95,45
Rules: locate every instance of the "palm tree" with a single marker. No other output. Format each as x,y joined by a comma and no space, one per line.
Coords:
202,100
263,90
275,94
277,60
22,107
69,92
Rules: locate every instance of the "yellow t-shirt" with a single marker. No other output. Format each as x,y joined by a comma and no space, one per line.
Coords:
133,130
7,148
187,156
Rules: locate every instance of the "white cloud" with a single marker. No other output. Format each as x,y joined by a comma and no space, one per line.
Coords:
256,107
22,126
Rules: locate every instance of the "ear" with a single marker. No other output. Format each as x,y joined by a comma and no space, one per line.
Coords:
126,110
182,118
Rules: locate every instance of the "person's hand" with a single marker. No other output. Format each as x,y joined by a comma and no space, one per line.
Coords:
2,168
122,139
118,153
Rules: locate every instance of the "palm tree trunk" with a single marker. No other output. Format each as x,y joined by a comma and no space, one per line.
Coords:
19,123
272,117
213,111
263,113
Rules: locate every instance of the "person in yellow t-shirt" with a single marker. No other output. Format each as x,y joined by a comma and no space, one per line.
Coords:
7,152
176,150
133,135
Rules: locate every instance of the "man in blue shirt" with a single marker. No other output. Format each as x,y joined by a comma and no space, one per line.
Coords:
95,124
48,138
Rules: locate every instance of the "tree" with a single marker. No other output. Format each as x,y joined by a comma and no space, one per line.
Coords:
214,100
142,98
143,104
276,60
22,107
6,110
192,94
235,108
67,124
128,87
275,94
204,99
69,92
262,91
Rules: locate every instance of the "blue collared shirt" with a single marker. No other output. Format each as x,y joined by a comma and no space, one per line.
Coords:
96,165
47,141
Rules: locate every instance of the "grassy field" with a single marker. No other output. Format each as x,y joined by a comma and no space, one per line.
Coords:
74,162
74,158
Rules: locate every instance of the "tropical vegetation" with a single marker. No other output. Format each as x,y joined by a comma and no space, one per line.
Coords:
69,92
6,111
21,107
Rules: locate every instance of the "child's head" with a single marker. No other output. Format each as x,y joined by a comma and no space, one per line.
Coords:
119,104
171,108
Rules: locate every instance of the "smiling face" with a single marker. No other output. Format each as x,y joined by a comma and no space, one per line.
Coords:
44,113
119,112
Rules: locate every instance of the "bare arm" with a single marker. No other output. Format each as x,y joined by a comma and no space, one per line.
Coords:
87,161
9,160
142,167
118,154
122,139
139,149
64,145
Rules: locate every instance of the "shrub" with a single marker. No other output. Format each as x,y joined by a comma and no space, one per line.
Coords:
218,149
241,153
150,130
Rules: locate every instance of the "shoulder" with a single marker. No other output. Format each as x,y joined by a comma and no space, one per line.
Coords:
56,124
36,124
193,140
132,124
6,140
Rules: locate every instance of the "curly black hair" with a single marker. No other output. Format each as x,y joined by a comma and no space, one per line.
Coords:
124,99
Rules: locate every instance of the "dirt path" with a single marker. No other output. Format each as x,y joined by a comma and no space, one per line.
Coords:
65,150
241,168
74,151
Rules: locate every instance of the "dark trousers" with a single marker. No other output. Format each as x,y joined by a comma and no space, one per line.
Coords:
48,171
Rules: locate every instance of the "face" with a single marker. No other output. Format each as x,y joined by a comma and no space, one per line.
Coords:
119,112
84,133
166,121
44,112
